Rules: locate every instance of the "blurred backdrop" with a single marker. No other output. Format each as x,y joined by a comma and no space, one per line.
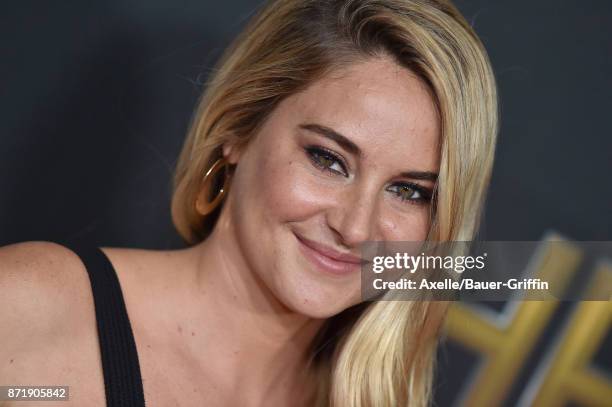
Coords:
96,99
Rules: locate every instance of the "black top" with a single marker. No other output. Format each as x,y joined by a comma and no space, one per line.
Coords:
122,379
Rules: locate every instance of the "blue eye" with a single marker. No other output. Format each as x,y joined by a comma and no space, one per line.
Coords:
411,193
326,160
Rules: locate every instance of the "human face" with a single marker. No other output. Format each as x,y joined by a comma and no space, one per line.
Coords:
352,158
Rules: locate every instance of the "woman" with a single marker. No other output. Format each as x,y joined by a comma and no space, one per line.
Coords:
325,125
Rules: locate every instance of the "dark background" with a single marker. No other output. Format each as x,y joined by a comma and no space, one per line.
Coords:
96,98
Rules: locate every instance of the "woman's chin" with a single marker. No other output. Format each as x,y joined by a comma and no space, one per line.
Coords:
317,302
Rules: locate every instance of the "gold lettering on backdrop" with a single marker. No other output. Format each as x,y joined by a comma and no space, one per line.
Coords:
569,376
504,341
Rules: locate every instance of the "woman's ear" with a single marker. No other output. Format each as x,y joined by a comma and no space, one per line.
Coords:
231,152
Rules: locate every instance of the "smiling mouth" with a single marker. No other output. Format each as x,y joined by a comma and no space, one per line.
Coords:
327,259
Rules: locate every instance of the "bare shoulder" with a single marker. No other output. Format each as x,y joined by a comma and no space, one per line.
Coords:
143,271
42,285
24,258
47,321
41,270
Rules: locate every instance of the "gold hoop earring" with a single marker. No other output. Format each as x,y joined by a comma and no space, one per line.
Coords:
201,205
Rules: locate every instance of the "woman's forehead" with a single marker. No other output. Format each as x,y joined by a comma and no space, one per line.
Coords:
382,107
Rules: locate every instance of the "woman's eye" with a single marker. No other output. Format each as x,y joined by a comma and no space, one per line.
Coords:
411,193
326,160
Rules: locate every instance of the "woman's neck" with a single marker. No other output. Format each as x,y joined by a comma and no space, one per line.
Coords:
254,341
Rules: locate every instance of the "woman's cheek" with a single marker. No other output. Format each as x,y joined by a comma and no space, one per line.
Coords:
397,226
295,192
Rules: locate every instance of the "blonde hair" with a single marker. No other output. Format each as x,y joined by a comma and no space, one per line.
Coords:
380,353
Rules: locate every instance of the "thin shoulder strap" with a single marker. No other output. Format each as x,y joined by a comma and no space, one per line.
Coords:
122,378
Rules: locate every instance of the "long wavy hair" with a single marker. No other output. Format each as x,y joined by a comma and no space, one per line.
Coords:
376,353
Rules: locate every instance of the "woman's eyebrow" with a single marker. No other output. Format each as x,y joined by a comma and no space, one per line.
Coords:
333,135
351,147
422,175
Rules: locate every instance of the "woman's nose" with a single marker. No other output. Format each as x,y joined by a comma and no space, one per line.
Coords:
353,216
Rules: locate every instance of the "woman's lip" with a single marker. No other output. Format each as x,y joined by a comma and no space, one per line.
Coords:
321,256
329,252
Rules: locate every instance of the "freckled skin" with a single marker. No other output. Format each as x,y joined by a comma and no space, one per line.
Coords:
388,113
